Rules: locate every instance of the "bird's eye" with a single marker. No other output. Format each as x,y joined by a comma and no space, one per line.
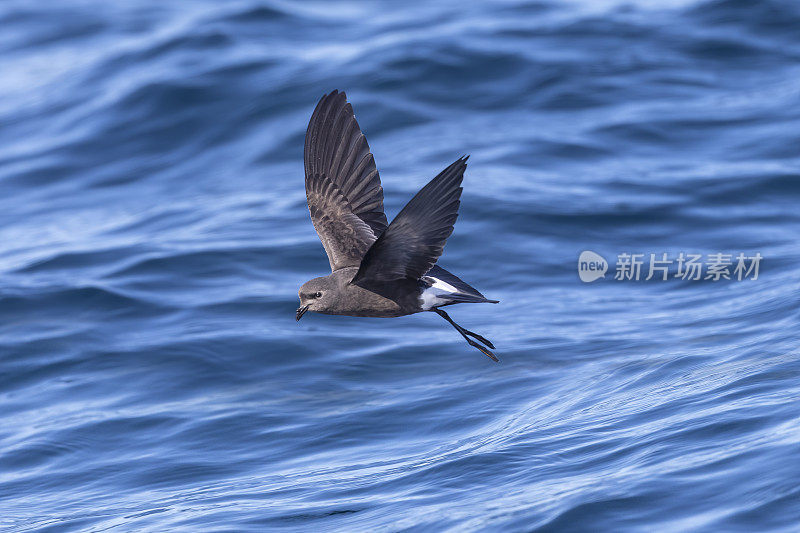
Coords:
318,294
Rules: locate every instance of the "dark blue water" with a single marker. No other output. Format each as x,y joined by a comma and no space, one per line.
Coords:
153,235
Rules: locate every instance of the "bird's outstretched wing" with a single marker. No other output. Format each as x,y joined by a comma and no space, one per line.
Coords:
343,187
414,240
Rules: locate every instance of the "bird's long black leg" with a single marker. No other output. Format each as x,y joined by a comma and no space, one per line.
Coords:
484,340
464,333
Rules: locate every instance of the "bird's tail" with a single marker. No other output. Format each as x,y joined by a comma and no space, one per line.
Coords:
465,293
461,298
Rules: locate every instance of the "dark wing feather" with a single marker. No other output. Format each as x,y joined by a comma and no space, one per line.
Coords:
414,240
343,187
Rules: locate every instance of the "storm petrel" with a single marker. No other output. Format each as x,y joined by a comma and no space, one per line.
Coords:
377,269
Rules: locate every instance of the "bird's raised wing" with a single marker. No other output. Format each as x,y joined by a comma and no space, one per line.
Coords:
414,240
343,187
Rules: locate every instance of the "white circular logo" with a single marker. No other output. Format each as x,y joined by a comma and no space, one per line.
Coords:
591,266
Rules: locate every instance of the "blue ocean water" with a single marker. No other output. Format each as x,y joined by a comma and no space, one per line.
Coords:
154,233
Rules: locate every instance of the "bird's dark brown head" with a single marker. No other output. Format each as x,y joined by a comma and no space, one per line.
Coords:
318,295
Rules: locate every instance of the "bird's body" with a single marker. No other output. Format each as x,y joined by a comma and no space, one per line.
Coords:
377,269
388,299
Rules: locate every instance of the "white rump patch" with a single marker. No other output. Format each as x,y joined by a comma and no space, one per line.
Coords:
436,294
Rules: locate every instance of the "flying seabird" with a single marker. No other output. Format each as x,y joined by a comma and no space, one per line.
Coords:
377,269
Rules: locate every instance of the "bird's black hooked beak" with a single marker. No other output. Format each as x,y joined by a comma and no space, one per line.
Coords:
301,311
